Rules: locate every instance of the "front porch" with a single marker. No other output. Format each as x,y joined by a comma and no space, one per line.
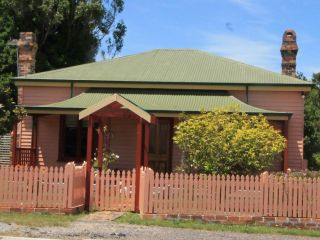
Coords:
69,142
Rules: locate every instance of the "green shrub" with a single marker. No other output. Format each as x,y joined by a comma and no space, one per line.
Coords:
227,141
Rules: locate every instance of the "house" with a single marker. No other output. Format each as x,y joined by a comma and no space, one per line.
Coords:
141,97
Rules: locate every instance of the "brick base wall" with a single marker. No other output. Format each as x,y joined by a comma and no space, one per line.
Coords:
307,223
43,210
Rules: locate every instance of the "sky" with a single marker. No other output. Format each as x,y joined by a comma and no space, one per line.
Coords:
249,31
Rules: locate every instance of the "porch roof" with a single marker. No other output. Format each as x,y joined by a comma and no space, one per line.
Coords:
153,101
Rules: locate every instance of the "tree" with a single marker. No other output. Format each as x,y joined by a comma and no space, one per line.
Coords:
227,142
9,111
312,124
69,32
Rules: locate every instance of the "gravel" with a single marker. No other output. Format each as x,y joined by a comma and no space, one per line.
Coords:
4,227
111,230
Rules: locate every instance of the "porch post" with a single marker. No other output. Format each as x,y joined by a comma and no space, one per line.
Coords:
100,145
146,145
89,165
285,151
14,145
138,161
34,139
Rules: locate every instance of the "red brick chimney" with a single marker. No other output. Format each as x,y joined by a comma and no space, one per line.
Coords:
289,50
27,49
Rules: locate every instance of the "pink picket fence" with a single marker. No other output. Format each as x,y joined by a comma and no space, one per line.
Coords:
42,187
112,190
264,195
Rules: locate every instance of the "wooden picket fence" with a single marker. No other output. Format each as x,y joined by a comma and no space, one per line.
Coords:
42,187
264,195
113,190
178,194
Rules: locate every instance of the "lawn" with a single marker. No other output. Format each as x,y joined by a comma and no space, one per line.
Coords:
38,219
133,218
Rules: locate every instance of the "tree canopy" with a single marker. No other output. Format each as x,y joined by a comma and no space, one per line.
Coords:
221,142
69,32
9,112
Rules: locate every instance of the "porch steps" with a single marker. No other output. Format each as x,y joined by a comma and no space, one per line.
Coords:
5,151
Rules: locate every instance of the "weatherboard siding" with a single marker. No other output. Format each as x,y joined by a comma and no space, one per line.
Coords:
79,90
48,140
48,126
287,102
123,143
37,96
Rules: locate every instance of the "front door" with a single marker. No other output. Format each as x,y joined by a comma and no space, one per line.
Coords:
160,145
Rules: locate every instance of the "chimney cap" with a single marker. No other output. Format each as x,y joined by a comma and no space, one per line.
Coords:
27,38
289,41
289,35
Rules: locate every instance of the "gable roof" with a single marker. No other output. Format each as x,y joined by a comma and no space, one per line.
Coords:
115,98
168,66
153,101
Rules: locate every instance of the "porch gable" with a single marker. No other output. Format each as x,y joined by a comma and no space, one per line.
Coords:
116,98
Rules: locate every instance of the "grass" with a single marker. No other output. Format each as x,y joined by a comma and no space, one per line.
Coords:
133,218
39,219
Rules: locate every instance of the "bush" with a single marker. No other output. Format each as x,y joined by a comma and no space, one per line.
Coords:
226,141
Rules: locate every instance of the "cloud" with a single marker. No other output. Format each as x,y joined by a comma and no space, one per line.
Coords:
250,6
259,53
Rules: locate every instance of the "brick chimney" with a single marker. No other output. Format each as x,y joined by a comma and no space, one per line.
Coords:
27,49
289,50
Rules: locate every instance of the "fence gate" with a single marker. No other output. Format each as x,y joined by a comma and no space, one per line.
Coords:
50,188
112,190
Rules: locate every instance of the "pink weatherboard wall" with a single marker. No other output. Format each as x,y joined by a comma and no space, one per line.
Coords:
48,126
285,101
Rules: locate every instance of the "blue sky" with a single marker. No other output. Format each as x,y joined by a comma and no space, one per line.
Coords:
246,30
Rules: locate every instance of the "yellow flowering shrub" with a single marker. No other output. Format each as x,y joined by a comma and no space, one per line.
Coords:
227,142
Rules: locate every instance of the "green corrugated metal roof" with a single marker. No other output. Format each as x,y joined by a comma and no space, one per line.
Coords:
158,101
169,66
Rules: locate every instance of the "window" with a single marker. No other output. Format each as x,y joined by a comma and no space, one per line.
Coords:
74,139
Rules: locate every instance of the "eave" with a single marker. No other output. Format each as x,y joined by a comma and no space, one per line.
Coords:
163,85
